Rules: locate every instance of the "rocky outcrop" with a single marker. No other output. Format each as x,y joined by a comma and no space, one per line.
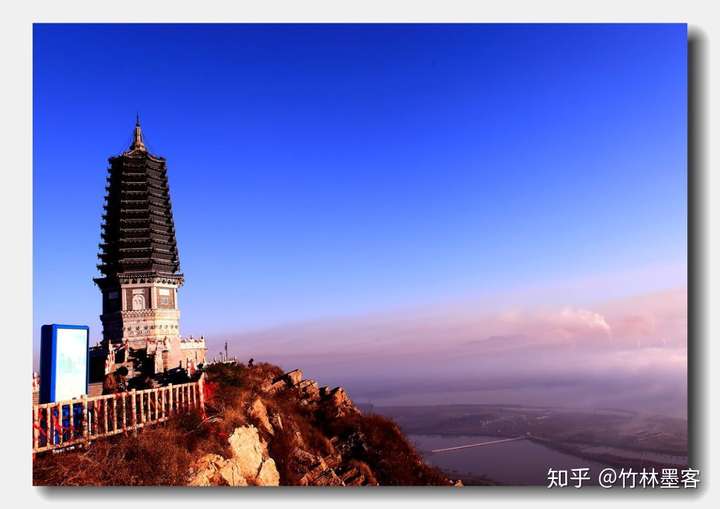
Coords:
206,471
316,470
284,381
335,402
258,413
249,464
232,473
317,435
309,390
338,404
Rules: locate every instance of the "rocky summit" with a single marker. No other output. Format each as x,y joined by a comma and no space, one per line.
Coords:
313,435
262,427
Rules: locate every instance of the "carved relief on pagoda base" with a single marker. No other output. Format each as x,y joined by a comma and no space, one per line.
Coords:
139,325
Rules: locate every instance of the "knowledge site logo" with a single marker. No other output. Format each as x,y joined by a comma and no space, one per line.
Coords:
666,478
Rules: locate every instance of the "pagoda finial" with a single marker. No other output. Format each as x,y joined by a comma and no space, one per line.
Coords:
138,143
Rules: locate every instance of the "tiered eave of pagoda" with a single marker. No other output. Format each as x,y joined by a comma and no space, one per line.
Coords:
138,232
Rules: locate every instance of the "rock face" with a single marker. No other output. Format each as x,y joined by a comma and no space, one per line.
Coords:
311,468
249,465
258,413
284,381
246,451
309,390
317,435
337,403
232,473
317,471
293,377
268,474
206,471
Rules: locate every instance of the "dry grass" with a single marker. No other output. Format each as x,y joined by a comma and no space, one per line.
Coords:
153,457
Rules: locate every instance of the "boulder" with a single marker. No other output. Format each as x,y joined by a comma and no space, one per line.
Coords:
259,414
268,474
309,390
304,459
232,473
294,377
273,387
214,470
315,470
206,471
338,403
340,397
291,378
327,477
249,460
246,449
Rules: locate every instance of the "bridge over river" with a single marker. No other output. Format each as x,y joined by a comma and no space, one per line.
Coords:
481,444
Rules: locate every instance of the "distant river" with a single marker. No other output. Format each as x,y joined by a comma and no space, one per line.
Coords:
522,462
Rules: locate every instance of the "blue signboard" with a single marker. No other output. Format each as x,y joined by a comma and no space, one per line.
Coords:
63,362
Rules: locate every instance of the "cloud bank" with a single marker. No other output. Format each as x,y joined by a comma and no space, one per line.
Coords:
629,352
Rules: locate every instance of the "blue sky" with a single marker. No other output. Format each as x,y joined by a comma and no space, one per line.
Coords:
320,171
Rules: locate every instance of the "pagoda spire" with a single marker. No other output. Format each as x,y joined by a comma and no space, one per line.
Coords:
138,143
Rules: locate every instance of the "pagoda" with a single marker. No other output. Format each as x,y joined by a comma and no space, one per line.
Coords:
140,267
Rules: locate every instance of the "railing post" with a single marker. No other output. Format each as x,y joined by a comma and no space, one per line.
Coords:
142,407
163,392
134,409
105,415
36,427
51,427
201,390
62,423
86,422
150,407
124,411
59,424
113,412
170,406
